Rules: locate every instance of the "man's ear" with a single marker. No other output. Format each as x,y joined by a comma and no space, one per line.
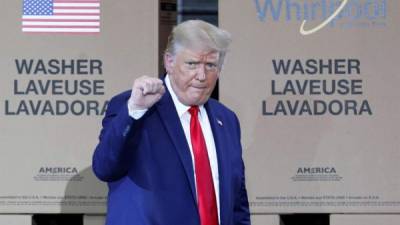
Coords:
168,62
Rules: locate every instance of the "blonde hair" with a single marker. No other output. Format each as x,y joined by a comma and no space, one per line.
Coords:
194,34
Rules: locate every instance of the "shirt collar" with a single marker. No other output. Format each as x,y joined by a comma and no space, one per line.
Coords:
180,107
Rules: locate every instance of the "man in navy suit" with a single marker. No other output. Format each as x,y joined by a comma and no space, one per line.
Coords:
170,154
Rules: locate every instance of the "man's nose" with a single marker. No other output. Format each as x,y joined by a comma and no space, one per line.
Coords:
201,72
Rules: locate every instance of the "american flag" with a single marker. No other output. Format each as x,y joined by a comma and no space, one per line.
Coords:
61,16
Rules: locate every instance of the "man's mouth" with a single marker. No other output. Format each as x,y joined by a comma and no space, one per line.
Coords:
198,87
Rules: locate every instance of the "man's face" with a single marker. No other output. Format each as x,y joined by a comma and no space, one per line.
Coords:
193,74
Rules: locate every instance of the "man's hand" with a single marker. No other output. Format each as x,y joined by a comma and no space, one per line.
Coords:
146,91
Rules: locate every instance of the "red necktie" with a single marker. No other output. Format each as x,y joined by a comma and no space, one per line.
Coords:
205,187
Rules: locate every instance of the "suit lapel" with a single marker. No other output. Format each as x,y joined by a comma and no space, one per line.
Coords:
172,123
218,130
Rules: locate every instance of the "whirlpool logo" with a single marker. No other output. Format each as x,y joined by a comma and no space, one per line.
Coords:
333,13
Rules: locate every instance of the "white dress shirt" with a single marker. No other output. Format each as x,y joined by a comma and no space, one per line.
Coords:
184,117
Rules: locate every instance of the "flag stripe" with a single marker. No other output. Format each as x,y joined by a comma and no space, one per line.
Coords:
40,29
77,14
61,26
76,11
62,17
72,7
75,1
57,20
76,5
61,32
46,23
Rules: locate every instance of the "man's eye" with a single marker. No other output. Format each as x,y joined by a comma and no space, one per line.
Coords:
211,66
192,64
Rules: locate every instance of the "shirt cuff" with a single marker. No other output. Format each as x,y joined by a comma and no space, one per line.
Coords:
135,113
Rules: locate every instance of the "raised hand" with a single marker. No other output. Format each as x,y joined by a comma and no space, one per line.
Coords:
146,91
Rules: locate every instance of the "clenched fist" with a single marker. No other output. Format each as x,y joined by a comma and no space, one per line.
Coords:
146,91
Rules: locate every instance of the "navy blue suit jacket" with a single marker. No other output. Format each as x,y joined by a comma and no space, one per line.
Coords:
148,166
